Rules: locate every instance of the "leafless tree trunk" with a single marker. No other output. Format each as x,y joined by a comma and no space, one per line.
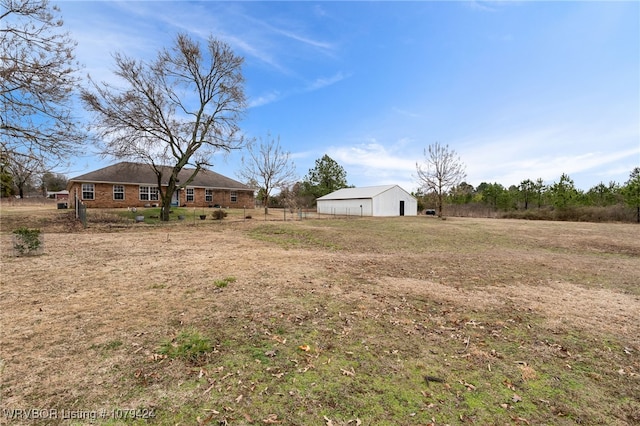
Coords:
176,111
37,80
441,171
269,166
290,195
22,169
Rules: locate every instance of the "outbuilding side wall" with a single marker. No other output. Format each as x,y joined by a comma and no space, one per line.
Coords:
388,203
382,204
351,207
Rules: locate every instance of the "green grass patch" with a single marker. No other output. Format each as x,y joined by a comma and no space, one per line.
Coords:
152,214
188,345
112,345
222,283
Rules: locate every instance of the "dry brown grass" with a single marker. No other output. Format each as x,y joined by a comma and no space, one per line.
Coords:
81,325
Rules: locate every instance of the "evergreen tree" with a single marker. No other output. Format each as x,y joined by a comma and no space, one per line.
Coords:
326,177
631,192
564,192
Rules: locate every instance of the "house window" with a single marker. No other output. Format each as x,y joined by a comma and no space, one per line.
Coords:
118,192
88,191
208,195
149,193
234,197
190,195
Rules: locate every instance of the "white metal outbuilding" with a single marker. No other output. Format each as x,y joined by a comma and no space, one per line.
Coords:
385,200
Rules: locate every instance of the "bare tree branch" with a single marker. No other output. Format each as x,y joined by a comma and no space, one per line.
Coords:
441,171
269,166
179,109
37,81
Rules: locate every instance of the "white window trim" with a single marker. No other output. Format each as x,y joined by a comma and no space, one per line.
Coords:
152,192
119,192
92,191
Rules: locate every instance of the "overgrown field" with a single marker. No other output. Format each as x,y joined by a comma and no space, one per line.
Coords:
372,321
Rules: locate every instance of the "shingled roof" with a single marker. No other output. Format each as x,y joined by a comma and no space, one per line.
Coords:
357,193
142,174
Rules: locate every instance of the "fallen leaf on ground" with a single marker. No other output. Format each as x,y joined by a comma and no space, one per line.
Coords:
528,373
209,388
347,372
279,339
508,384
469,386
271,419
305,348
206,420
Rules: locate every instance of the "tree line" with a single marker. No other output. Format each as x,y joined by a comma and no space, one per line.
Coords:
17,179
533,199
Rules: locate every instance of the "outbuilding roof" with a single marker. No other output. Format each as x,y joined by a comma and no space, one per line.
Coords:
357,193
142,174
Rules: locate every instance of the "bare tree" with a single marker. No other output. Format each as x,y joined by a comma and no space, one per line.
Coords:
23,168
177,110
290,196
441,171
268,165
37,81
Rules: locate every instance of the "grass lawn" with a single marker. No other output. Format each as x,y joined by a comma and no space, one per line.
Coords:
372,321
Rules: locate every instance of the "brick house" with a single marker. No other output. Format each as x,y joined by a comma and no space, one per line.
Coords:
136,185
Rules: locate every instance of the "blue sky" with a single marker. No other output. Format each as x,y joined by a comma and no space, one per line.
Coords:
520,90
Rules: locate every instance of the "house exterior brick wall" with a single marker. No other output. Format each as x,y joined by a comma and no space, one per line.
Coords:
104,197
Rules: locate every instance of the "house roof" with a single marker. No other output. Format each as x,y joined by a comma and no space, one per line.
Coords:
358,193
142,174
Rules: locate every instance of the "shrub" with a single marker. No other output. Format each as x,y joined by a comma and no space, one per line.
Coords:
219,214
27,241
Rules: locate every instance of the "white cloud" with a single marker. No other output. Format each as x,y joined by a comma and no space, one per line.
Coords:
247,47
372,163
302,39
547,154
481,5
372,155
265,99
276,95
405,112
319,11
323,82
